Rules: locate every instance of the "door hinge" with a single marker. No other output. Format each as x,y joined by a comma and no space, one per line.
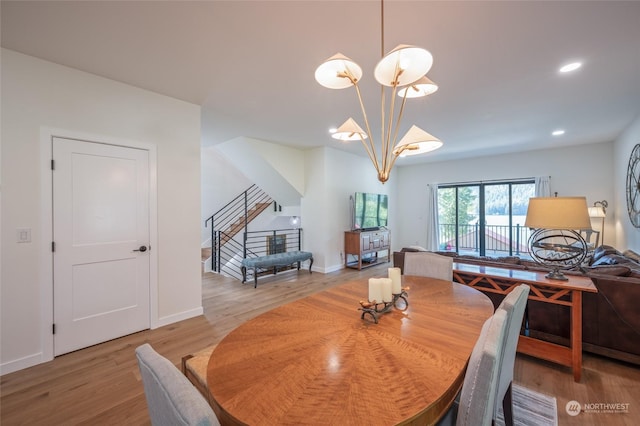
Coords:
53,164
53,329
53,246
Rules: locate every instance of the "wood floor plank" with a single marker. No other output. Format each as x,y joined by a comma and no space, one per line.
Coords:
101,385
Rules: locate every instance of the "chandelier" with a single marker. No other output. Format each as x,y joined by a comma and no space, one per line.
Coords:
403,70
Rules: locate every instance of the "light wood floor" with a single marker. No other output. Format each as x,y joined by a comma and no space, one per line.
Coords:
101,385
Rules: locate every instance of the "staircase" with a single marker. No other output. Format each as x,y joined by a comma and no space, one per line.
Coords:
240,224
226,252
205,253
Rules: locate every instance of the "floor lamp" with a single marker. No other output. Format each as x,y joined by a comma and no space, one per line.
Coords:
599,210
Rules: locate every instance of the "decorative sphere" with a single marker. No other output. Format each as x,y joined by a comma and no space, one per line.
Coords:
563,249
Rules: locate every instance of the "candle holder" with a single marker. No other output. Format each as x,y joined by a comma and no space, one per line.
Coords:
373,309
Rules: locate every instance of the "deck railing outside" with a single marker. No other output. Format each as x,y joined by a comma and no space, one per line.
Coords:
500,240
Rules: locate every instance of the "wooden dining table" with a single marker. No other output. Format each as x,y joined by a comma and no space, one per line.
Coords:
316,361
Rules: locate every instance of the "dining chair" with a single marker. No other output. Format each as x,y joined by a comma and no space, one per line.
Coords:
476,401
513,305
426,264
172,400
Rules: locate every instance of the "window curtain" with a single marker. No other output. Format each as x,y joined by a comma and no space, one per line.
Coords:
543,187
432,217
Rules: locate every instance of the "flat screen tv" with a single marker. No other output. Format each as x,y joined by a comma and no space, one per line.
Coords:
370,210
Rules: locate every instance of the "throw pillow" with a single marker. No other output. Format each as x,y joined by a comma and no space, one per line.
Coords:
602,251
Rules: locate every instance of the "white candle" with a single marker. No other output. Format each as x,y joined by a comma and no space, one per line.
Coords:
375,290
396,280
387,296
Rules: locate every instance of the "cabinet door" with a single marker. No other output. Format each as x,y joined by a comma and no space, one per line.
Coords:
366,242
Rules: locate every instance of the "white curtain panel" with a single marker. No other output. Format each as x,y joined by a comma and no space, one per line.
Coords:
543,186
432,217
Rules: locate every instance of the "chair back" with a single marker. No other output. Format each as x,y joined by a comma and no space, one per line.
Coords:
481,378
513,305
171,398
426,264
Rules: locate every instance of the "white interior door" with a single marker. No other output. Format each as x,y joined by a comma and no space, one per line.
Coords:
101,235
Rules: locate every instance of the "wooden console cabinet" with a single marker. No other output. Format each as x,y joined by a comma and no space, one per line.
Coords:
361,248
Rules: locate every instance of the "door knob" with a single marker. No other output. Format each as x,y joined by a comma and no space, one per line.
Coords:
141,249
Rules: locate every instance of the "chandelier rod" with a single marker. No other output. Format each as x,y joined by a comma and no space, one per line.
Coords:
383,153
369,145
381,28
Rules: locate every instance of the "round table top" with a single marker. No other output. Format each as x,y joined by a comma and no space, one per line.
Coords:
315,361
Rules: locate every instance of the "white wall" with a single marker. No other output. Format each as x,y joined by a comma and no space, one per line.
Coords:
331,177
221,183
585,170
37,94
627,236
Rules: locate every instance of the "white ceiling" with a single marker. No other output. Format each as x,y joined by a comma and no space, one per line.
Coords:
251,64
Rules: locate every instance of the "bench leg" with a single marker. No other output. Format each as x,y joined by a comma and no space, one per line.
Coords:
255,277
310,264
298,265
244,273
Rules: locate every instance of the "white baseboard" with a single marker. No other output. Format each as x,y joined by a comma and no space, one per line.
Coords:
21,363
179,317
328,269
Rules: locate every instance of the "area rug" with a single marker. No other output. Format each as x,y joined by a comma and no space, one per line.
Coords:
531,408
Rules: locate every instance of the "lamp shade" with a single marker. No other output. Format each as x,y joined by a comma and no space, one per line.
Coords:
558,213
416,141
597,211
420,88
412,61
334,72
349,131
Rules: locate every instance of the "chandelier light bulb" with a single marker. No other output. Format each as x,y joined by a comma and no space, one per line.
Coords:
338,72
419,88
413,61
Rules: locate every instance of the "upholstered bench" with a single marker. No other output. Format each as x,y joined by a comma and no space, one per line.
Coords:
194,366
273,261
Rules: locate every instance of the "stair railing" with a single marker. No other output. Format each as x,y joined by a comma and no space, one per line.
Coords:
231,220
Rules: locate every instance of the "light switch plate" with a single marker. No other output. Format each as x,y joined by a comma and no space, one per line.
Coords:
24,235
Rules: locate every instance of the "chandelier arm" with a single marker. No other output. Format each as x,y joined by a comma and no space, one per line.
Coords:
395,135
371,149
371,154
382,130
387,137
394,157
387,147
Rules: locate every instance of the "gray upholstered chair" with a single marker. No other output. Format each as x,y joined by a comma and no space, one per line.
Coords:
476,401
514,305
171,398
426,264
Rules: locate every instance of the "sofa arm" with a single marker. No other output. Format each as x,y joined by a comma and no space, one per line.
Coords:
622,294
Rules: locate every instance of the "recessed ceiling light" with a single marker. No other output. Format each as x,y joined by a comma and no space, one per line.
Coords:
558,132
570,67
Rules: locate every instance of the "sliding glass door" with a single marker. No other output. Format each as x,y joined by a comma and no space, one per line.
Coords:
484,219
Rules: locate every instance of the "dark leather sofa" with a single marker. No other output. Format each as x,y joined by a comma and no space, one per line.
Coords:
610,318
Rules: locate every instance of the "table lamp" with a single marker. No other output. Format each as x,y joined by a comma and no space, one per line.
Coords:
555,243
599,211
